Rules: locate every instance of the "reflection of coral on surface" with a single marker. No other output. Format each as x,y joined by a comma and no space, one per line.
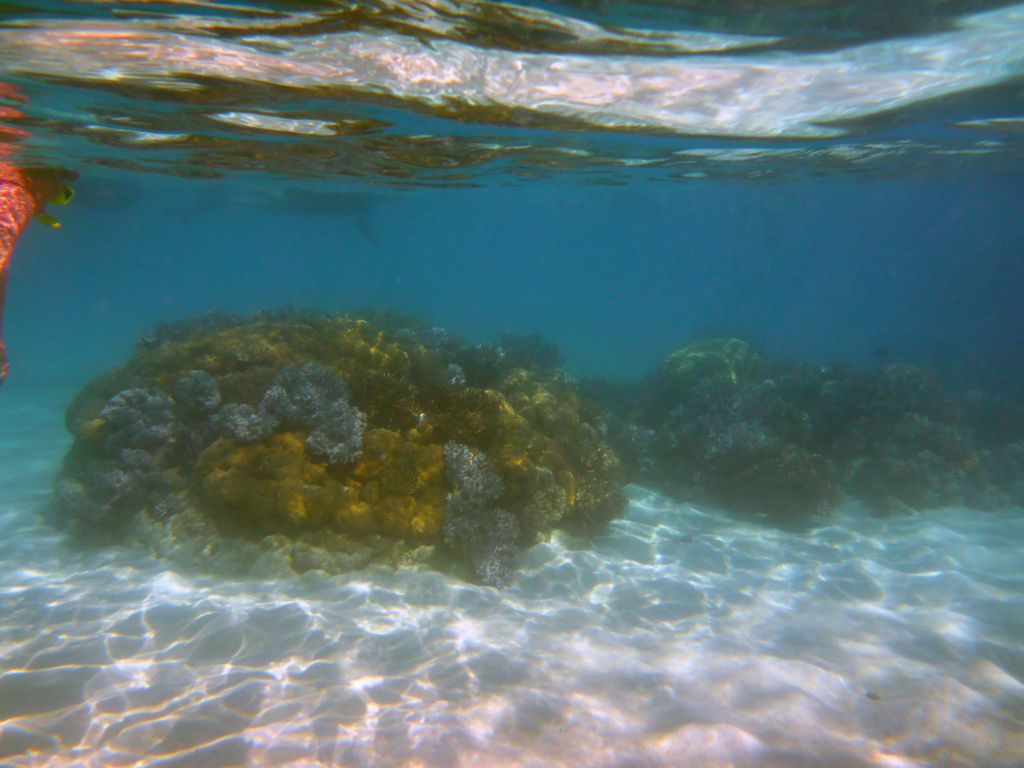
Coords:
341,434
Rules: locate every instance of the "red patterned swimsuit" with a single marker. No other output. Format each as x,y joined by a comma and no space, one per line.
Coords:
17,205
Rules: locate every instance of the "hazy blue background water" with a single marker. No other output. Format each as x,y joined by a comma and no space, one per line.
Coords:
914,269
330,175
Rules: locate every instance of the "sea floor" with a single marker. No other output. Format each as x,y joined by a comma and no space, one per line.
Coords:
681,637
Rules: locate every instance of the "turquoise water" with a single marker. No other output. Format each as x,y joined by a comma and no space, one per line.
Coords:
834,180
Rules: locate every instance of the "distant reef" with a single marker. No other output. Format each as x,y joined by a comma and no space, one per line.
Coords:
719,423
293,442
289,442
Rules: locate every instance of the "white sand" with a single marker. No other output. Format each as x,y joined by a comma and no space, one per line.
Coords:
681,638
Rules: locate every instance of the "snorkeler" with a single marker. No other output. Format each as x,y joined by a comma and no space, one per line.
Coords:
23,194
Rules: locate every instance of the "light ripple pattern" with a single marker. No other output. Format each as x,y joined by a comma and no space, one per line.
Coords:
679,637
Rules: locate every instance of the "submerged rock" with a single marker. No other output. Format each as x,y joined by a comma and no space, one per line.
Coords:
329,435
718,422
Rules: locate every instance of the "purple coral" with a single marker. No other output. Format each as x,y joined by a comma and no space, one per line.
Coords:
139,418
471,475
488,537
339,436
313,398
473,527
115,491
244,423
299,398
197,394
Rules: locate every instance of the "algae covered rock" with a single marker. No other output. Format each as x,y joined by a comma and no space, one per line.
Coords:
346,432
718,422
723,360
715,423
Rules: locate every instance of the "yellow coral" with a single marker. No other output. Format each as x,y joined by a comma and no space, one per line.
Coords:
276,480
403,481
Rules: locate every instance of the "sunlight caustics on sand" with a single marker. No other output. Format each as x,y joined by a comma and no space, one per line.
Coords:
681,637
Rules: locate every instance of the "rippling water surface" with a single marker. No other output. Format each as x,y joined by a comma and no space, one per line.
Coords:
316,148
370,90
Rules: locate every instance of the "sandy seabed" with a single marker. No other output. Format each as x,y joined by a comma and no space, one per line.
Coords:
681,637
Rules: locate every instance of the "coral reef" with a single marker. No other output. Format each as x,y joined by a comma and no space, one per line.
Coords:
299,399
297,441
719,422
138,418
243,423
310,437
338,437
473,524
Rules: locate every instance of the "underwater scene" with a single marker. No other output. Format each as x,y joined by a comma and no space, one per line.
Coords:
435,384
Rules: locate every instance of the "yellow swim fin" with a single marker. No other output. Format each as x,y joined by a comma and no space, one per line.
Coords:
63,196
44,218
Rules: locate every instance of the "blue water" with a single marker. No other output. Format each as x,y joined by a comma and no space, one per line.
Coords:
872,214
616,276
